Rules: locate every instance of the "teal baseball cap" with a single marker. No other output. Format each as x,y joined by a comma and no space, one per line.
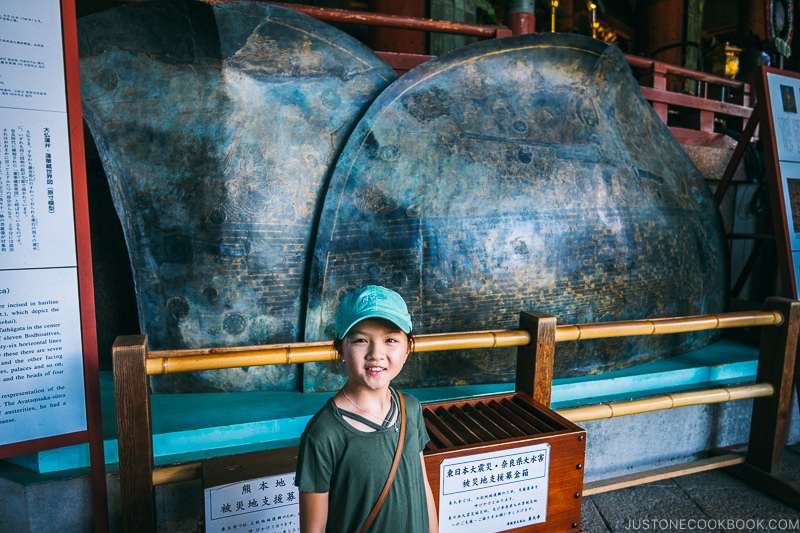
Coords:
372,301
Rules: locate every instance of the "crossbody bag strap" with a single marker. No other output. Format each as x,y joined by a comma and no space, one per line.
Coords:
398,452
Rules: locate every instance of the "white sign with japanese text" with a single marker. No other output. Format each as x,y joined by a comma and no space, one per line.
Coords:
494,491
784,92
32,58
41,350
268,504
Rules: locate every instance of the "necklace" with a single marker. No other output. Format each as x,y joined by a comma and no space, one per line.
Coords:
384,422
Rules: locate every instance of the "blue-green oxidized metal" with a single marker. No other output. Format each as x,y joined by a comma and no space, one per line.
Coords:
514,174
217,127
525,173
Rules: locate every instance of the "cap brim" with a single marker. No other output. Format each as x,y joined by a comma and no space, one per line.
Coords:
401,322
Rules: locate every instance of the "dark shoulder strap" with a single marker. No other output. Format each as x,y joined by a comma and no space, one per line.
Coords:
398,452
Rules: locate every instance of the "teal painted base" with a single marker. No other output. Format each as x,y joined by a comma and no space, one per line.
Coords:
198,425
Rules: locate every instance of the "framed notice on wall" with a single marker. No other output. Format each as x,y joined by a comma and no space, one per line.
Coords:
778,92
41,322
49,387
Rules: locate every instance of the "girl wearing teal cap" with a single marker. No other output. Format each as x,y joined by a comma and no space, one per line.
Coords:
360,466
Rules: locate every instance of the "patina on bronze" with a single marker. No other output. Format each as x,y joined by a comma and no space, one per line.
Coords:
514,174
526,173
218,126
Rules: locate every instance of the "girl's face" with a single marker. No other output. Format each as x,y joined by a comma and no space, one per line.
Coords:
374,352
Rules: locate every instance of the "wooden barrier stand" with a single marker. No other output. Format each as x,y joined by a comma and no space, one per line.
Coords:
535,339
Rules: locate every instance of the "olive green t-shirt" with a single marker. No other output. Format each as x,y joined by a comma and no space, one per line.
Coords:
352,467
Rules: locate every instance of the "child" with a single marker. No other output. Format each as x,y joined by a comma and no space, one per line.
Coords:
348,447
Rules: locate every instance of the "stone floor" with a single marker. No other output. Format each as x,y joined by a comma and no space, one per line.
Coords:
707,502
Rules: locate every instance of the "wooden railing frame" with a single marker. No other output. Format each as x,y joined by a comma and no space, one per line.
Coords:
536,338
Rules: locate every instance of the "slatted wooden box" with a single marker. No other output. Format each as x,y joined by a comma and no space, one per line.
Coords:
508,463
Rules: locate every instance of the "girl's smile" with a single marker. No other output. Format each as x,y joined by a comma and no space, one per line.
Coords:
374,351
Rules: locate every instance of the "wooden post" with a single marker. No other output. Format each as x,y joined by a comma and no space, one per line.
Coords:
738,152
770,425
521,16
660,82
535,360
134,430
694,28
401,40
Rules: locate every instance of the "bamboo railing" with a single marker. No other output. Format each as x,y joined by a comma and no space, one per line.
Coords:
171,361
535,339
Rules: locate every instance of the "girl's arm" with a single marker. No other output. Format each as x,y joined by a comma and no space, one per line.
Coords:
313,512
433,521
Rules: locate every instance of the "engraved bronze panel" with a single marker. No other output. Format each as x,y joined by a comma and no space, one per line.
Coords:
514,174
519,174
217,127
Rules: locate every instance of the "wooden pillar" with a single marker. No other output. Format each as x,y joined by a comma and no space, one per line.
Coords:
455,11
132,394
398,40
770,422
694,28
752,18
661,30
565,17
535,360
770,425
520,16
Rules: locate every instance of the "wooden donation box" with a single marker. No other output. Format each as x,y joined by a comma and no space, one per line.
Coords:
504,463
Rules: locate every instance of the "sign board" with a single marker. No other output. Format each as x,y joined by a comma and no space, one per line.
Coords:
494,491
266,500
778,92
49,383
269,504
41,344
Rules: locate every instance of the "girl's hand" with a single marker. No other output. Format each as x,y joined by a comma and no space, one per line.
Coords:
433,520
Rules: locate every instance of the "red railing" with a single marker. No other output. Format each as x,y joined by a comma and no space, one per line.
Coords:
716,103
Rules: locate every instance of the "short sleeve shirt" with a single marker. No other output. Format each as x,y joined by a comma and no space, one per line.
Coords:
352,467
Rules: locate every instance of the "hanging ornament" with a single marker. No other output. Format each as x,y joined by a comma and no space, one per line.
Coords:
780,15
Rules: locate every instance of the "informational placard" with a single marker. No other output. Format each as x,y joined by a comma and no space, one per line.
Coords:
778,93
495,491
269,504
41,348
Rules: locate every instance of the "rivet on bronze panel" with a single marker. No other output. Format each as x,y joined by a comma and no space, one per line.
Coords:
577,495
574,524
580,438
579,466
